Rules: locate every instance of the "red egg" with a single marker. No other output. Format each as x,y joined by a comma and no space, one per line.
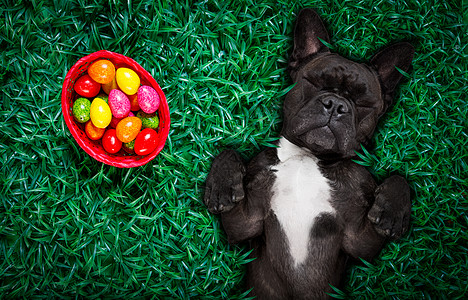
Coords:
110,142
146,141
85,86
114,122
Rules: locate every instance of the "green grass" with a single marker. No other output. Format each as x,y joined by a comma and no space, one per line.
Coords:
71,227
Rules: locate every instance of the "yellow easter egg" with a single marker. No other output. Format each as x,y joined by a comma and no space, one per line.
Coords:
100,113
127,80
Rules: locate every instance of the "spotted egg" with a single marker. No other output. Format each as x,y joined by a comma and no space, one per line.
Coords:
128,128
104,97
129,147
119,103
102,71
81,109
148,99
148,120
93,132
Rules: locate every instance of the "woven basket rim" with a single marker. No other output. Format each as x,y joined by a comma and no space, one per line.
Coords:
127,161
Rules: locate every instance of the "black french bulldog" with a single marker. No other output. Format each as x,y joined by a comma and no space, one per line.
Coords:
305,206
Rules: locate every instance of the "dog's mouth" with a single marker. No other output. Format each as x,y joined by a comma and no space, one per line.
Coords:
320,139
325,125
327,137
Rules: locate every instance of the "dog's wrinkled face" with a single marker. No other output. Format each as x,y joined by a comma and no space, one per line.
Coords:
335,103
334,106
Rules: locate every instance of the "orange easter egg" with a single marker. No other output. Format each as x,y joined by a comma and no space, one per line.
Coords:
93,132
102,71
128,129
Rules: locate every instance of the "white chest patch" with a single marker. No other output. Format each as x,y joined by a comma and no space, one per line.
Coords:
300,194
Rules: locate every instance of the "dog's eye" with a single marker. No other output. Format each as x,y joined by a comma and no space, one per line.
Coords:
331,90
342,92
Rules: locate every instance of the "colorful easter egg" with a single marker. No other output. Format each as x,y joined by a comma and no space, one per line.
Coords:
128,129
100,113
148,99
107,87
110,142
148,120
129,147
102,71
85,86
104,97
94,132
146,141
134,102
119,104
81,109
116,121
127,80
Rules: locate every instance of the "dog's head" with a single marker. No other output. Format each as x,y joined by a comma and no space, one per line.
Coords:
335,103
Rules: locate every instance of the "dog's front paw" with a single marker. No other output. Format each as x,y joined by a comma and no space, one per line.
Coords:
224,184
391,210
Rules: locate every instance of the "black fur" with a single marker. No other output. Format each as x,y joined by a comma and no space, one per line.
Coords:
333,109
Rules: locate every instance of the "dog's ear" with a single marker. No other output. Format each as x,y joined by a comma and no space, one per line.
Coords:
398,55
309,28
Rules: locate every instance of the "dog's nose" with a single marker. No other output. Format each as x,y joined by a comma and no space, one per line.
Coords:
334,105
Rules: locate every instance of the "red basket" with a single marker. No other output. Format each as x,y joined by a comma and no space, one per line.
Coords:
94,148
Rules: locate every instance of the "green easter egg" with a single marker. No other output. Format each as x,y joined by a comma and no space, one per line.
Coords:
148,120
104,97
129,147
81,109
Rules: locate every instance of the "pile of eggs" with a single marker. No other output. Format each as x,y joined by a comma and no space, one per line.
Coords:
123,116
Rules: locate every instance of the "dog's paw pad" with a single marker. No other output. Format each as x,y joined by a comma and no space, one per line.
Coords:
224,184
391,211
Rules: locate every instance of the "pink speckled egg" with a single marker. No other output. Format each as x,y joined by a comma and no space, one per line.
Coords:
148,99
119,103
